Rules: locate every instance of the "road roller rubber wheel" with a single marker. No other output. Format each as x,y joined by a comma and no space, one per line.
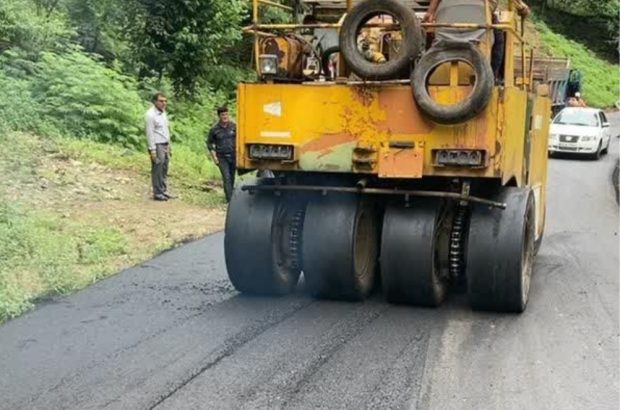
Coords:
500,252
261,243
410,249
340,247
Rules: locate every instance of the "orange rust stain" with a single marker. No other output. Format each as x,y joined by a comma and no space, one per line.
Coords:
363,94
401,163
402,115
327,141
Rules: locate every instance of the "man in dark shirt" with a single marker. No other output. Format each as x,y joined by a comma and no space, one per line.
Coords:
221,144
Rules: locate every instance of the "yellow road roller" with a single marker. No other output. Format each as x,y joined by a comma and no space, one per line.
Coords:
421,171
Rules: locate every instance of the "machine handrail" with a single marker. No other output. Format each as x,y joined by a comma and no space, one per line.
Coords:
257,29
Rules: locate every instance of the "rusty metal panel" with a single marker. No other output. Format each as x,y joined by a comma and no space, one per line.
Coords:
513,135
347,127
401,163
539,158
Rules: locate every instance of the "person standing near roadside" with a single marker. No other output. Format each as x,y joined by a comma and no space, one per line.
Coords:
158,141
221,143
580,101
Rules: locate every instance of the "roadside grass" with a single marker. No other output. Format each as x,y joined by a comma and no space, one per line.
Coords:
43,254
193,175
600,78
75,211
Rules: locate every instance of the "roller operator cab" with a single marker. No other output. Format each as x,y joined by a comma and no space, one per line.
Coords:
417,150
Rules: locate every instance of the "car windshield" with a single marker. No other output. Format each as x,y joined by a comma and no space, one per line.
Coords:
576,117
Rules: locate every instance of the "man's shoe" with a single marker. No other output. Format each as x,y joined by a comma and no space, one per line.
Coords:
160,198
169,196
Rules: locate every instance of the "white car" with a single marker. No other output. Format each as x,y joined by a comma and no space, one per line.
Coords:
580,131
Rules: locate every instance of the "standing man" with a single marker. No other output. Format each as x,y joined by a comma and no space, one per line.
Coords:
158,140
221,143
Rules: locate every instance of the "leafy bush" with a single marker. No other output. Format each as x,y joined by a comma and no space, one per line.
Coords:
17,110
225,77
84,98
191,119
70,94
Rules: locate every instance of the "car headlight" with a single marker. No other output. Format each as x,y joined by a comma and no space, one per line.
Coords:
268,64
554,137
587,139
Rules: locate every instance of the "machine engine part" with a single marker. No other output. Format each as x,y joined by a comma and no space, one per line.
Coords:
289,54
412,39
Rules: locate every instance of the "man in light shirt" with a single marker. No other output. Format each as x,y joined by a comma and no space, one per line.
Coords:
158,141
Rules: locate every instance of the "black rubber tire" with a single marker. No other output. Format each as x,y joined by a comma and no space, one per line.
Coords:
340,247
599,152
412,43
325,58
606,149
470,107
261,243
500,252
409,259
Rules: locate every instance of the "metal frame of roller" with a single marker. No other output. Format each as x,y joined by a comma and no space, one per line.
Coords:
369,190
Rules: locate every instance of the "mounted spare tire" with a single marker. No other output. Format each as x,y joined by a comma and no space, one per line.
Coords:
464,110
412,42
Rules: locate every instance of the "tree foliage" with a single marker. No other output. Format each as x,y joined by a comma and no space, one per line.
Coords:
182,39
599,29
32,28
99,26
608,8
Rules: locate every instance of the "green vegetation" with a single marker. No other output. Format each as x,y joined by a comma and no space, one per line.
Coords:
600,78
73,211
42,254
188,175
76,78
594,24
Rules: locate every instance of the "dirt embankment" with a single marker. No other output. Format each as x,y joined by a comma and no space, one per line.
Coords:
91,193
101,217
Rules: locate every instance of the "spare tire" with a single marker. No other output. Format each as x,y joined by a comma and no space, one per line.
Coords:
411,45
470,107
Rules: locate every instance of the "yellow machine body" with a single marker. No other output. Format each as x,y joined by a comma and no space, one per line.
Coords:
370,175
377,129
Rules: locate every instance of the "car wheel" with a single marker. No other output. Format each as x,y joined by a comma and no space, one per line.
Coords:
606,150
597,155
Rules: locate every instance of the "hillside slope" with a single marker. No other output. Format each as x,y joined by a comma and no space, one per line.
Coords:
600,78
69,217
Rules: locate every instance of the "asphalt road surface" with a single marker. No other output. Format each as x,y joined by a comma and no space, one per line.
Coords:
173,334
